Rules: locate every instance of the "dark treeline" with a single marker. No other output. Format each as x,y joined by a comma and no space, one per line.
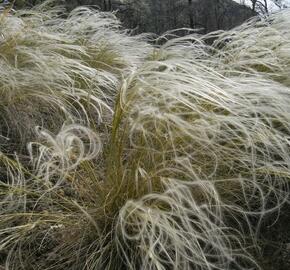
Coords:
158,16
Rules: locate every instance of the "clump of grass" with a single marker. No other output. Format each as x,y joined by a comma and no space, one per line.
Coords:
151,158
60,69
267,54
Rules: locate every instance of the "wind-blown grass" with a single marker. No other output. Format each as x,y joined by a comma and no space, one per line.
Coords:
137,156
266,54
60,69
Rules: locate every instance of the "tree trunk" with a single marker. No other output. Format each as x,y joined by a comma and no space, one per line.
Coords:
190,15
109,5
266,7
254,2
105,5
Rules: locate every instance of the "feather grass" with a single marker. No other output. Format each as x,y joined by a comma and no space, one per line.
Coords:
144,157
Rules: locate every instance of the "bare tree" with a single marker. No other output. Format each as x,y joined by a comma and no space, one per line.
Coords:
280,4
262,6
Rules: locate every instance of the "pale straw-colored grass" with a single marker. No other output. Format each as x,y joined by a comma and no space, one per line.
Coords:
150,157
